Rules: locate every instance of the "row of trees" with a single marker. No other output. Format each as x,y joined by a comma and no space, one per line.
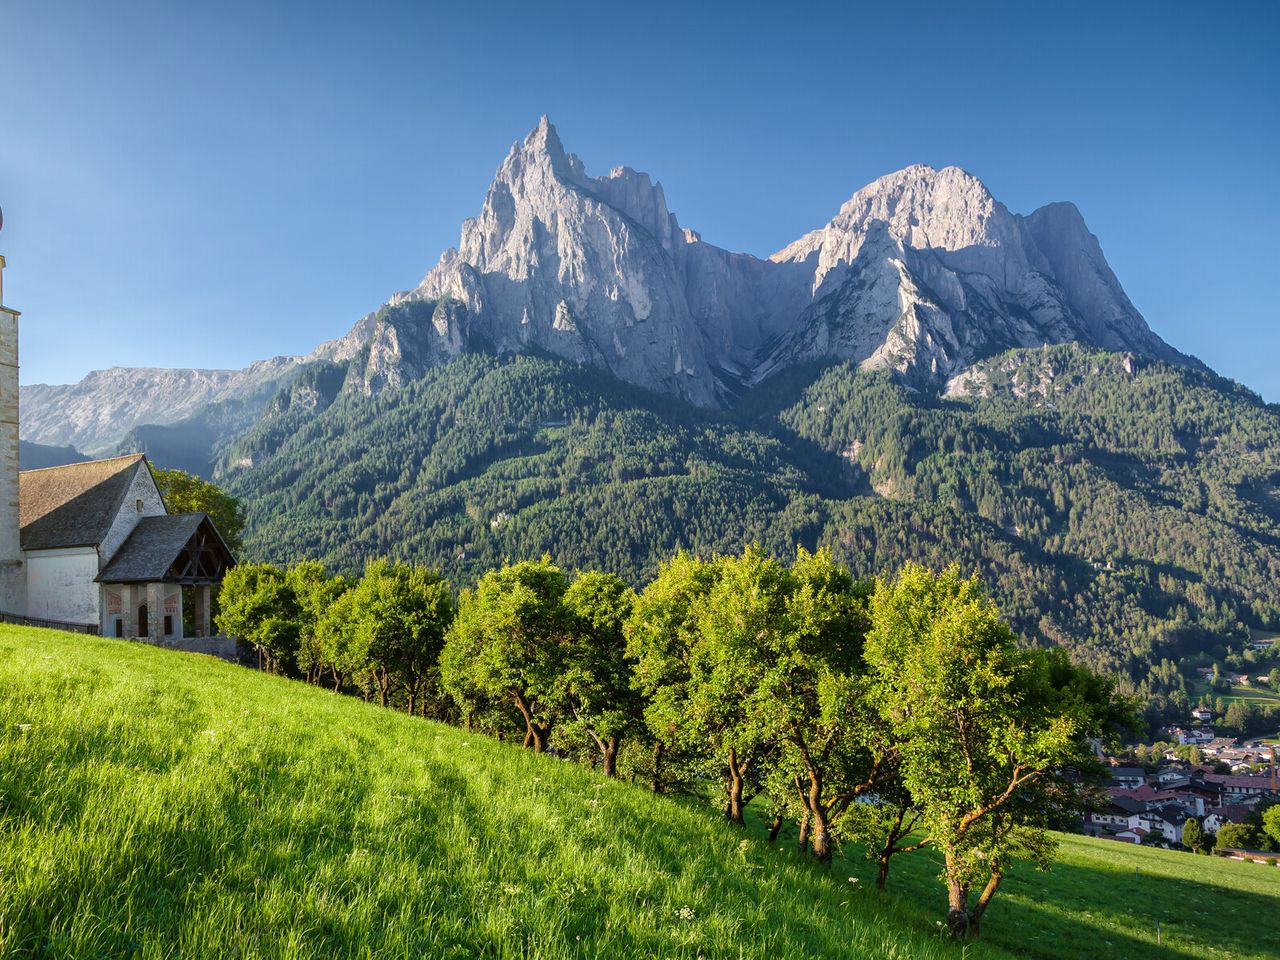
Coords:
899,712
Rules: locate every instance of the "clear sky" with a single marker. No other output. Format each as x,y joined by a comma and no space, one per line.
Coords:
205,184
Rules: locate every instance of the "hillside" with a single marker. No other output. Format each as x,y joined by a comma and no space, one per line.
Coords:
1124,507
155,804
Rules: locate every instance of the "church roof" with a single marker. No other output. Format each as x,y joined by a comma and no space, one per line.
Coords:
176,548
73,505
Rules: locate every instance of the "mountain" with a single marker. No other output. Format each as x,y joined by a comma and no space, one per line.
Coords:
928,376
922,271
95,414
1125,507
36,456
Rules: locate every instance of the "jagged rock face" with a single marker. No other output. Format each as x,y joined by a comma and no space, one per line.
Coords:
922,271
585,268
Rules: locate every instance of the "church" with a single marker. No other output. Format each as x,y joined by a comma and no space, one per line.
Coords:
92,546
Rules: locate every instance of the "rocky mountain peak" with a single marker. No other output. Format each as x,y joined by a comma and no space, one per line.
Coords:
922,271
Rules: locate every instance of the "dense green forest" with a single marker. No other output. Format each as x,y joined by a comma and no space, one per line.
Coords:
1125,508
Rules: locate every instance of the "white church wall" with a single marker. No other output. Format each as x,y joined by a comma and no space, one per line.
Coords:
143,488
60,584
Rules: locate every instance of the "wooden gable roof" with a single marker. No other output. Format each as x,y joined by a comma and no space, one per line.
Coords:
183,548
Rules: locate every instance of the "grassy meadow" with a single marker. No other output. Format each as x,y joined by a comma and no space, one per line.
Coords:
160,804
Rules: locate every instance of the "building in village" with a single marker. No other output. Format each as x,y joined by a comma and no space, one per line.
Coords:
92,545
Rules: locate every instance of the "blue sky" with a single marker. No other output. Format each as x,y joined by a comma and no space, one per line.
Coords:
209,184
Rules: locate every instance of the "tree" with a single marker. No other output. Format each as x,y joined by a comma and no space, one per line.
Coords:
507,643
402,613
595,686
1193,837
808,697
1271,822
186,493
989,735
315,590
259,607
339,646
740,619
1233,836
661,634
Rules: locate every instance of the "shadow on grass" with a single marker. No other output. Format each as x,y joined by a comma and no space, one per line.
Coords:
1075,911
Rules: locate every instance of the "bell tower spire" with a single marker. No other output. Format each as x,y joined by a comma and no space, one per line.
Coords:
12,582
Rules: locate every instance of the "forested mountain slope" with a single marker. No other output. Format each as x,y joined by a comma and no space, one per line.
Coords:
1122,506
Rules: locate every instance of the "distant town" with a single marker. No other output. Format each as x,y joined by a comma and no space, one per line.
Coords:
1200,788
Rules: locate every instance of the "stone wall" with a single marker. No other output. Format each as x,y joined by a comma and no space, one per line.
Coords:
12,580
224,648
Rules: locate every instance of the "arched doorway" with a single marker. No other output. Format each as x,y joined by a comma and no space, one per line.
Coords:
142,620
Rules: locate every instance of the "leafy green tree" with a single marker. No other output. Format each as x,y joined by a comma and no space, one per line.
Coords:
315,590
742,617
1234,836
808,697
1193,837
1271,822
507,644
987,731
402,613
257,605
186,493
595,685
661,634
341,650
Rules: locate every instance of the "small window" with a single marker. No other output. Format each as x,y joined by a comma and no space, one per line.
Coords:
168,626
139,505
119,627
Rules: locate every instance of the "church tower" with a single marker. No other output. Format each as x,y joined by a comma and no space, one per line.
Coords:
12,581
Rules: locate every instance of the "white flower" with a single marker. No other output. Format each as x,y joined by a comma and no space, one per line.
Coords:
853,879
24,727
685,912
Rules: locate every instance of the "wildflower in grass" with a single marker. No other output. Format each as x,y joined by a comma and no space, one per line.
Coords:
24,727
685,912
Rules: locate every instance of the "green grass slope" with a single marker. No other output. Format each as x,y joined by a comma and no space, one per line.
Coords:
157,804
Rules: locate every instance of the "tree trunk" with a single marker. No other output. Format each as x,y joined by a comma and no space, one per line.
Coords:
611,756
882,869
775,826
656,783
989,891
733,806
821,828
803,841
535,733
957,909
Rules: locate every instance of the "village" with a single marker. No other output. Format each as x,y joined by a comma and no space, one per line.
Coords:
1221,784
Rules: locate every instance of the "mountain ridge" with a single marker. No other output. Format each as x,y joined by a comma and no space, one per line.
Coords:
922,271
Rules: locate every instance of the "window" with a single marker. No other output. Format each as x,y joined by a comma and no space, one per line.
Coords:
168,625
119,626
139,502
142,621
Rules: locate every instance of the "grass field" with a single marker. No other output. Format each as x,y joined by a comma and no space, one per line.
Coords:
1251,694
157,804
